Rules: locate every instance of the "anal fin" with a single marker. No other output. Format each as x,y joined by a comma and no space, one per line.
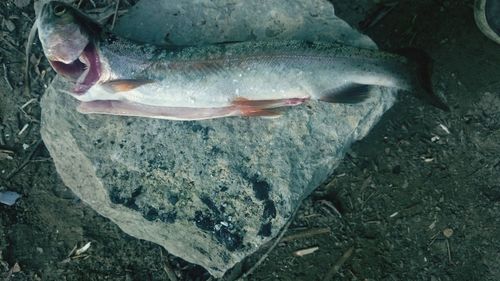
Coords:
264,108
350,93
269,113
271,103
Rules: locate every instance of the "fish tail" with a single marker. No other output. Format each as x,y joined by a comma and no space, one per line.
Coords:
423,65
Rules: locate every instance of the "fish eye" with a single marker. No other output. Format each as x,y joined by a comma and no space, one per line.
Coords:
59,10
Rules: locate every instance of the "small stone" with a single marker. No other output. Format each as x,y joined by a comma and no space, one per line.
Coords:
9,25
16,268
9,198
447,232
22,3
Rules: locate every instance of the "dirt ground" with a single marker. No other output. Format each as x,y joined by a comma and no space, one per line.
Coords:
417,199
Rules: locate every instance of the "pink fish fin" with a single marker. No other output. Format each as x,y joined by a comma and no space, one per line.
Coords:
260,113
122,85
350,93
241,102
264,108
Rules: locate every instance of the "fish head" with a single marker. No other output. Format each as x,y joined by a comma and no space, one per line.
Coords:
69,40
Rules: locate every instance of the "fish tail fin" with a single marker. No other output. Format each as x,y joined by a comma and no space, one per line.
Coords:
350,94
423,64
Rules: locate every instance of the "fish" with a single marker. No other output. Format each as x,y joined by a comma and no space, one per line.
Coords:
113,75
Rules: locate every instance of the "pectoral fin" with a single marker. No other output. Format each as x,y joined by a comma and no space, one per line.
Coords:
123,85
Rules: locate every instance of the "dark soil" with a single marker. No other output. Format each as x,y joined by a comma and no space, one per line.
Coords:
418,198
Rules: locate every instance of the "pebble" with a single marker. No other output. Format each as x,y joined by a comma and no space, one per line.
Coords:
9,197
9,25
448,232
22,3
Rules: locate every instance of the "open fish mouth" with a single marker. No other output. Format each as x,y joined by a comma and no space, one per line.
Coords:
85,71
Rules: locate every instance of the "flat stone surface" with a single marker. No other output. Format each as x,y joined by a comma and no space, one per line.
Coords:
198,22
214,191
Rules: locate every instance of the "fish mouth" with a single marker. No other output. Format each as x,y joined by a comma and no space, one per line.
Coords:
85,71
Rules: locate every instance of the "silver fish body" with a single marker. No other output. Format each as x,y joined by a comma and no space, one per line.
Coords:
248,78
214,76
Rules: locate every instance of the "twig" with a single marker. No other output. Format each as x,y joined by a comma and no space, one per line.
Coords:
28,103
305,252
6,151
168,269
6,77
116,13
31,118
23,129
29,44
275,243
5,50
331,206
42,160
9,44
449,251
25,162
433,238
377,15
170,272
6,154
339,264
306,234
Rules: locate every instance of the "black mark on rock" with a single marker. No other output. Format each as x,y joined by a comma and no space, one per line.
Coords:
173,198
197,128
225,257
136,192
168,217
215,150
204,221
230,239
210,204
261,188
202,251
117,196
151,214
265,230
269,210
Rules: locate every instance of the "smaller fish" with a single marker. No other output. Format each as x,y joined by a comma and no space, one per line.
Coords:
112,75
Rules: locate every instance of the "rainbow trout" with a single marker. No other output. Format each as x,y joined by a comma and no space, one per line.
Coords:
112,75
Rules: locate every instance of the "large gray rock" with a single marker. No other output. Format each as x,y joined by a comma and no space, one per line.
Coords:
211,192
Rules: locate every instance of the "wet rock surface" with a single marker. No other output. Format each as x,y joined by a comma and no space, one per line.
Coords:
210,192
